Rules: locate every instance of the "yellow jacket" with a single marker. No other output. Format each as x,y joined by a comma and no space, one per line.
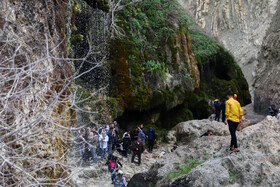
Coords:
233,110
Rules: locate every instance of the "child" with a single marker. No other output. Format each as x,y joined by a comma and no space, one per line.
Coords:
120,180
113,166
174,147
208,133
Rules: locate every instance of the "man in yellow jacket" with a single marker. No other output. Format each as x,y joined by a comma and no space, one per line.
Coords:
233,119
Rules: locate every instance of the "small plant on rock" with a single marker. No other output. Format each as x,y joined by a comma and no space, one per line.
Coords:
234,175
184,169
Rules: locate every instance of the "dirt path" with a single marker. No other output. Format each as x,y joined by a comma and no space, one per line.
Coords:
252,116
98,175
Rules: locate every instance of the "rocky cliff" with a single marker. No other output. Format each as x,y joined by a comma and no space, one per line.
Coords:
168,71
162,72
267,75
36,113
206,161
241,26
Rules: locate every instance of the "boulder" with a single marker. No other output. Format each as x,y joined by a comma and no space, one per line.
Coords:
187,131
257,163
245,123
138,180
171,136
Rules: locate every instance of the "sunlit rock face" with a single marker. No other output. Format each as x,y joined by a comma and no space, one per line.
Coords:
241,26
267,81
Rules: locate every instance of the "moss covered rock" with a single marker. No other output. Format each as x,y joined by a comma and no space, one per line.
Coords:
164,73
154,66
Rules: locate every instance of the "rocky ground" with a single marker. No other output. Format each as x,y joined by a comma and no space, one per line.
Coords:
98,176
257,163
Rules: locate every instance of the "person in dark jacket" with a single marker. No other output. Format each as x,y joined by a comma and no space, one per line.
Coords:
141,135
86,153
151,136
217,105
103,128
138,149
111,140
126,144
223,109
134,136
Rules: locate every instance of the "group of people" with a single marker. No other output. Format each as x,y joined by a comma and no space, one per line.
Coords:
274,112
220,107
231,115
107,139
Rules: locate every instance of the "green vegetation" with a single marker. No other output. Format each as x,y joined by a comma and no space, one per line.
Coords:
140,60
234,175
184,169
222,72
259,180
203,46
149,23
76,39
148,26
144,58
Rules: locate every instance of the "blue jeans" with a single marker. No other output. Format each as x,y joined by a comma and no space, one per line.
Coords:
94,155
113,174
103,152
110,147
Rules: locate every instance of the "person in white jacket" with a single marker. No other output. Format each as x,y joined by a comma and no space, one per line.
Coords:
103,141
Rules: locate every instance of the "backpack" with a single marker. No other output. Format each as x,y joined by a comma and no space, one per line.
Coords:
112,163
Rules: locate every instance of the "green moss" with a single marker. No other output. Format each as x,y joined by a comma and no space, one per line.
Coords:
203,46
183,169
139,64
235,175
221,70
174,51
223,74
113,106
76,39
